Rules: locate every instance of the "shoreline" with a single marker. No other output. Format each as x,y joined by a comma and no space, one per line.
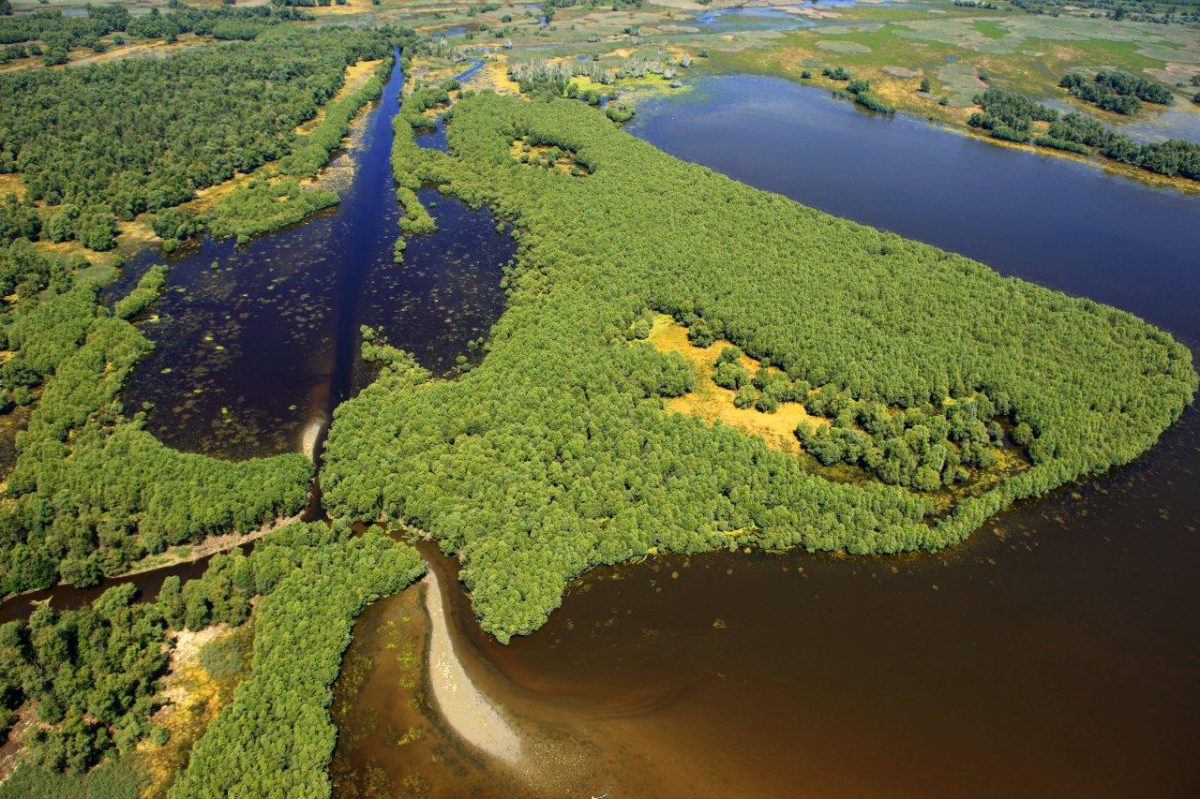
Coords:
1143,176
459,701
208,547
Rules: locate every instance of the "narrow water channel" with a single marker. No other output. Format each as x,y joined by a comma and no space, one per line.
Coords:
254,346
1055,653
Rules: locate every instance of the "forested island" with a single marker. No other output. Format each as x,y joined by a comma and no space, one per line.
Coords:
555,454
685,364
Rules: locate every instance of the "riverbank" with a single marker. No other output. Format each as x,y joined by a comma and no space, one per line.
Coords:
189,555
467,711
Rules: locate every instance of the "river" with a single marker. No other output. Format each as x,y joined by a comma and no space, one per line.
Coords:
1055,653
254,346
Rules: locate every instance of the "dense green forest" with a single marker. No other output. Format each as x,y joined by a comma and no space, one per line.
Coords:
120,138
91,491
51,34
555,453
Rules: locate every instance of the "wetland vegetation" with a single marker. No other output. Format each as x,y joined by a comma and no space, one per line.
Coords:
539,344
575,424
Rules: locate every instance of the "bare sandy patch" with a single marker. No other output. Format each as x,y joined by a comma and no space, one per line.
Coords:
213,545
10,183
466,710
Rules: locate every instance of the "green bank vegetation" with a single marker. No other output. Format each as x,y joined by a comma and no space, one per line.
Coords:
1009,116
93,674
91,491
555,454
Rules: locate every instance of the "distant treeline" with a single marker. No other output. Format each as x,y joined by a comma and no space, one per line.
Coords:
1010,116
55,34
1182,12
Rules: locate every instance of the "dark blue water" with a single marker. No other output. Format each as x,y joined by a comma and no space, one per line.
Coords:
1056,222
253,351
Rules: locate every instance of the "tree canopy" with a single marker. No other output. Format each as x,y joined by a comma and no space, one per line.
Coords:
555,454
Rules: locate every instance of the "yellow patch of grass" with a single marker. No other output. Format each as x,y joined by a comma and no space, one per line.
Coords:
712,403
194,698
565,163
494,75
10,183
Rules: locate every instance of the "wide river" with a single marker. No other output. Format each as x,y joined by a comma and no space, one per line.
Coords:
1055,653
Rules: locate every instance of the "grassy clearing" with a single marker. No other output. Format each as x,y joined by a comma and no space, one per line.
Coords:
205,669
713,403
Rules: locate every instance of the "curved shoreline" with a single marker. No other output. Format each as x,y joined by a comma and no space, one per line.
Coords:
465,709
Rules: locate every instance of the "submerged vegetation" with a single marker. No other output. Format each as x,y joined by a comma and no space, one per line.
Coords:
555,455
91,491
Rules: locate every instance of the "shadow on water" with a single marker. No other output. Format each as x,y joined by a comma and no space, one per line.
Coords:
1054,653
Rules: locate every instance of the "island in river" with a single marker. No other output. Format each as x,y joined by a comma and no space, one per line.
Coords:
538,443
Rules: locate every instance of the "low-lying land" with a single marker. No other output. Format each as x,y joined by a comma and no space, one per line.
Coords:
555,455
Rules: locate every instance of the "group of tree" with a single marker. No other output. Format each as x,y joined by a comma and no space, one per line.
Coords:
926,447
1117,91
92,676
555,453
1010,116
24,219
120,138
860,91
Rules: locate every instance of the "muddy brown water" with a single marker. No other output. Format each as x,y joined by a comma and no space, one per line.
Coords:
1056,653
